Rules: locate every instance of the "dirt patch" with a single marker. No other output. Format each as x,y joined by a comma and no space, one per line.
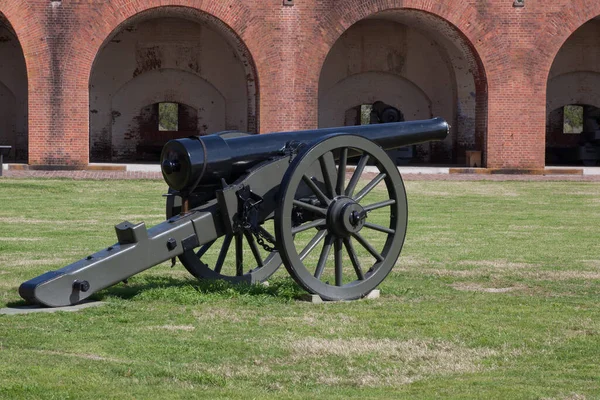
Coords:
562,275
444,272
495,268
394,362
254,368
217,313
310,319
571,396
141,217
592,263
94,357
174,328
497,264
474,287
23,220
410,350
24,262
464,189
12,239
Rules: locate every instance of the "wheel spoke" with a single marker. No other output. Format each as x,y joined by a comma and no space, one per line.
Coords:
341,178
310,207
328,168
379,228
254,248
323,256
223,253
368,246
381,204
338,262
313,186
356,175
313,224
205,248
239,255
312,244
365,191
354,259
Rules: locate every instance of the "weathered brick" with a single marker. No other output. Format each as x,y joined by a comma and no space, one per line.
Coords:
510,52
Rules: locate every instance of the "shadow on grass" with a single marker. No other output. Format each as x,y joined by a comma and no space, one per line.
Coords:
191,291
18,303
183,290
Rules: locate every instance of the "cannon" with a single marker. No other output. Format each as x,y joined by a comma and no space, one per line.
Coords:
382,113
303,199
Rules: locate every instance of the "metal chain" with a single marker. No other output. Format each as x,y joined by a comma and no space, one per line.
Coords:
262,243
247,225
291,149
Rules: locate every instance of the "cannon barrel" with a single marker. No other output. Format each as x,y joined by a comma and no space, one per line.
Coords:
188,162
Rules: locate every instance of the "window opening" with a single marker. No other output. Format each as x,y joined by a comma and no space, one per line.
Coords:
572,119
168,116
365,114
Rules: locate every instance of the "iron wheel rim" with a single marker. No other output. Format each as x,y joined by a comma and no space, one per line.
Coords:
392,247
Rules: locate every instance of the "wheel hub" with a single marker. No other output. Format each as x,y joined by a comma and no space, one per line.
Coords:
345,217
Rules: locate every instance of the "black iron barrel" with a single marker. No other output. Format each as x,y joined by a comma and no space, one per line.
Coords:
188,162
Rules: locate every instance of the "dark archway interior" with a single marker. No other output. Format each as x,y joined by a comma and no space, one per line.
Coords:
573,135
160,124
416,62
168,55
573,100
13,94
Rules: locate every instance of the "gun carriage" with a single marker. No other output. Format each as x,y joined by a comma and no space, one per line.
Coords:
287,198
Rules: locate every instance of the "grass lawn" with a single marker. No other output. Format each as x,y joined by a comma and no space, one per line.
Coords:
496,295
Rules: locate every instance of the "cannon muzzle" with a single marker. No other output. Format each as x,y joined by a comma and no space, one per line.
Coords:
187,162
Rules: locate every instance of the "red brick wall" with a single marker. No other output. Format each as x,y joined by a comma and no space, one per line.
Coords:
514,47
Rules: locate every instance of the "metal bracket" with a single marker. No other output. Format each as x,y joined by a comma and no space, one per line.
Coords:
128,233
519,3
228,207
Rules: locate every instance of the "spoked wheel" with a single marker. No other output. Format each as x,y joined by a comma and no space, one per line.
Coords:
363,222
233,258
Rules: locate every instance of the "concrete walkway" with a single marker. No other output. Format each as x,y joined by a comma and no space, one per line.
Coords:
152,171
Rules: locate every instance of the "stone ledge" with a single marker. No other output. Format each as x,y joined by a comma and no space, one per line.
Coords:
316,299
17,167
106,167
54,167
517,171
41,309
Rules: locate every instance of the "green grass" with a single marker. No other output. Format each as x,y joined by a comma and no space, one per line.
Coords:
496,295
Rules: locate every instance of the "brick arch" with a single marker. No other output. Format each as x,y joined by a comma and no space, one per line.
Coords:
117,13
457,13
23,21
129,102
565,84
454,23
246,81
415,102
210,14
577,82
558,27
14,90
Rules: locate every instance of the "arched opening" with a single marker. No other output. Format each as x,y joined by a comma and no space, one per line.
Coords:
168,55
573,100
161,122
418,63
13,94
